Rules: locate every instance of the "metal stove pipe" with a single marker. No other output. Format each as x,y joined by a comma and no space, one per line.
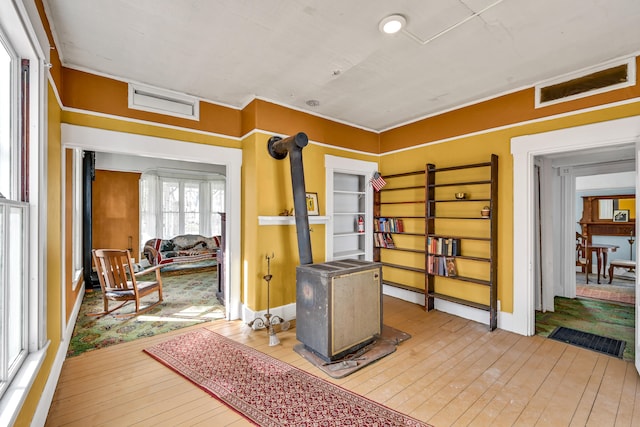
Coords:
278,149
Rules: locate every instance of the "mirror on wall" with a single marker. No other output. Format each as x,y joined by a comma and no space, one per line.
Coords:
616,208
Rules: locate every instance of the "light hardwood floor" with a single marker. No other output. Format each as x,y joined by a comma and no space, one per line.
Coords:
452,372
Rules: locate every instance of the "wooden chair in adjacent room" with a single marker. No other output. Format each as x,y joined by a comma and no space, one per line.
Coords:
119,282
582,258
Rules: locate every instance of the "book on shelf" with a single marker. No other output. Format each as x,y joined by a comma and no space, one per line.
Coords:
443,246
441,266
388,225
455,247
451,269
389,239
383,240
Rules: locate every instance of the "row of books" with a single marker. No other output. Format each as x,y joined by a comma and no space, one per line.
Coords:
443,246
383,240
442,266
388,225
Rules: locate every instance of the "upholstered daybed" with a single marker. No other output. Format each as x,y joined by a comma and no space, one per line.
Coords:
183,248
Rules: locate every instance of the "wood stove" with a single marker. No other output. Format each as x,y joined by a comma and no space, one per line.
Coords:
338,306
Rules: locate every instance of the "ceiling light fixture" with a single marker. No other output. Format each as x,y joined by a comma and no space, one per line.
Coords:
395,23
392,24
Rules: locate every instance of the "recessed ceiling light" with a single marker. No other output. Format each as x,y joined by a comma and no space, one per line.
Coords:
313,103
392,24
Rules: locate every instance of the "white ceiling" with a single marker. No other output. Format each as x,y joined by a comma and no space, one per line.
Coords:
286,51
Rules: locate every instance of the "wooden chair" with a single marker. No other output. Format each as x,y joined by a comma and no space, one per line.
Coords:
582,259
118,281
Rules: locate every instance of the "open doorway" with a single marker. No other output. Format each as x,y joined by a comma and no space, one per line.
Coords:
99,140
571,191
607,137
592,194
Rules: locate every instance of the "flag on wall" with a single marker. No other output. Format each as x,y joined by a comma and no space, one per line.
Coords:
377,181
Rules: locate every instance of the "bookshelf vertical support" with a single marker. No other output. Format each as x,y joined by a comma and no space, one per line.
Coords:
429,228
493,312
468,211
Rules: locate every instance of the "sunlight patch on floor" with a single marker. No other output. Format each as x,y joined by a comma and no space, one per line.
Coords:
197,311
165,319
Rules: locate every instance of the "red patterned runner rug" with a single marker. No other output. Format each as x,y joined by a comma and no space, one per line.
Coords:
265,390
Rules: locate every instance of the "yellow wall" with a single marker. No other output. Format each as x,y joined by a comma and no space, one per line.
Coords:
54,260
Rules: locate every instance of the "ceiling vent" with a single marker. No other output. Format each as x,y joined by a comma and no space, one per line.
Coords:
586,83
160,101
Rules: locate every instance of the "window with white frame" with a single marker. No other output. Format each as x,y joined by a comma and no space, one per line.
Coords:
13,222
174,203
22,312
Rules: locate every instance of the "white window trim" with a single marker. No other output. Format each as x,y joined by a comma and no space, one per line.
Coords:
21,22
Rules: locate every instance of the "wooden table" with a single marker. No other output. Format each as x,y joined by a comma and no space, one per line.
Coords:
601,250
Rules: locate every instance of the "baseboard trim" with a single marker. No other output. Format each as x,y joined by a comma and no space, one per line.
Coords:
42,410
287,312
463,311
403,294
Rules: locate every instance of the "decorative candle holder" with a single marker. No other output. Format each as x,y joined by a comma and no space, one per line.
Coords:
269,319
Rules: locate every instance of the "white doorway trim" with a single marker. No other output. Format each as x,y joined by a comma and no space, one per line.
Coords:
108,141
524,150
333,165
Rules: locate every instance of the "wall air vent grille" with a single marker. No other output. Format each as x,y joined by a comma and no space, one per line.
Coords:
589,82
160,101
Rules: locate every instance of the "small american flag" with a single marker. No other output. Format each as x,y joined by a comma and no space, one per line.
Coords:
377,181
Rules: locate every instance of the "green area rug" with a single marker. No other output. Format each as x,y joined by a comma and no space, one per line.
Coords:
597,317
189,299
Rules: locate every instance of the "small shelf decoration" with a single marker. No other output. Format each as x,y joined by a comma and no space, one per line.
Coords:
485,212
312,204
621,215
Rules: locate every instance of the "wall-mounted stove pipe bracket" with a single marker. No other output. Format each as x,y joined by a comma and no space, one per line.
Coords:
278,149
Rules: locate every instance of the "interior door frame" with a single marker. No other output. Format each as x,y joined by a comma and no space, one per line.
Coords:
101,140
524,150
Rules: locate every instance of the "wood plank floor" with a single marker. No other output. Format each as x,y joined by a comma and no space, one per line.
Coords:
452,372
